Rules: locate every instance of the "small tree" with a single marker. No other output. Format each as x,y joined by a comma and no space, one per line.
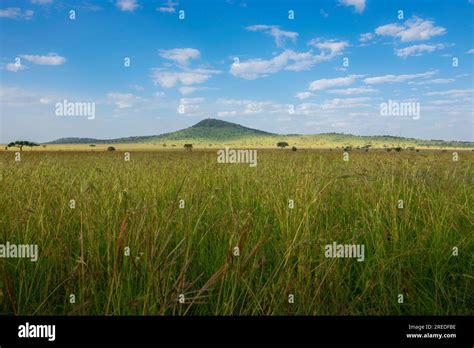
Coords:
282,144
20,143
111,148
294,148
188,147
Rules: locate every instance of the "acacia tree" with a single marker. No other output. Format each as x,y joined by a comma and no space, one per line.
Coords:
282,144
20,143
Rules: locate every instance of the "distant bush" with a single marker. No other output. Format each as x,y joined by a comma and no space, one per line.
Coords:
294,148
111,148
282,144
188,147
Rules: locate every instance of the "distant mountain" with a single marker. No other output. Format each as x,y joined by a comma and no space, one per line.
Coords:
205,130
218,131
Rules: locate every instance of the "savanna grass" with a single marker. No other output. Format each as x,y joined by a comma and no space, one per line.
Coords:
190,250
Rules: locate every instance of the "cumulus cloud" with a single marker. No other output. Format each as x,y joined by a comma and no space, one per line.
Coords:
279,35
251,107
414,29
127,5
50,59
185,90
352,91
417,50
330,83
397,78
190,106
123,100
180,55
304,95
366,37
288,60
359,5
329,48
14,67
16,13
170,79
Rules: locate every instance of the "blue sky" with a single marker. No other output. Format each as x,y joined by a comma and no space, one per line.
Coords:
244,61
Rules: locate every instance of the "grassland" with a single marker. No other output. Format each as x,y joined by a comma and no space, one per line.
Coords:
189,251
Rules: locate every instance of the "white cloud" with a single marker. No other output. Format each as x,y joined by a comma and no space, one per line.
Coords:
323,13
359,5
366,37
190,106
330,83
436,81
170,79
253,107
329,48
159,94
185,90
471,51
352,91
279,35
417,50
16,13
287,60
50,59
397,78
15,96
227,113
180,55
413,29
45,101
453,93
168,7
127,5
345,103
14,67
123,100
303,95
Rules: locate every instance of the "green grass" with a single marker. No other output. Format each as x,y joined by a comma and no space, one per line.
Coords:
173,251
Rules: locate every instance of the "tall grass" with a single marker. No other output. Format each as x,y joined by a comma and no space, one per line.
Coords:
189,251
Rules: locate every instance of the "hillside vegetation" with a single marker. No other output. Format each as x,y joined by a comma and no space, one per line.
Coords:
211,132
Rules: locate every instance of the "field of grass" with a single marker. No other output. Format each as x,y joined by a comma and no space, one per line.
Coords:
190,250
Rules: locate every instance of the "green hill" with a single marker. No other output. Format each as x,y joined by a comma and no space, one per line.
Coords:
223,132
215,130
